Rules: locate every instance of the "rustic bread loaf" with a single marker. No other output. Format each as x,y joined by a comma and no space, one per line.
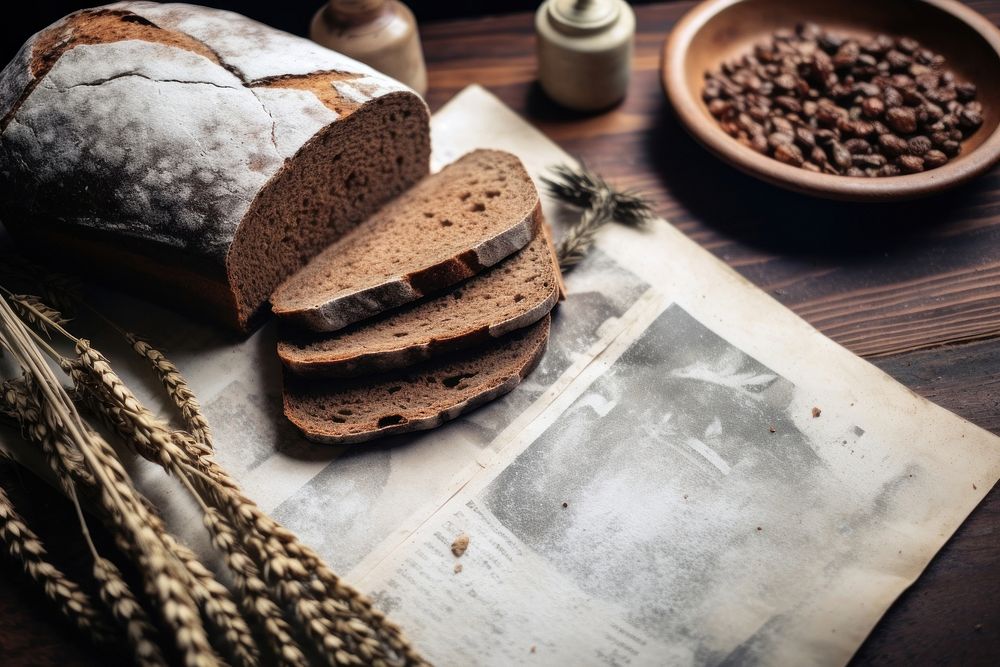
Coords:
420,397
515,293
205,153
473,213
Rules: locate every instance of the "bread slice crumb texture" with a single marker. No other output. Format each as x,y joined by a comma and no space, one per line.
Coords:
449,227
417,398
513,294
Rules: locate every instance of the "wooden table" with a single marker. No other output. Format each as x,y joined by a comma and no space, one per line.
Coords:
915,288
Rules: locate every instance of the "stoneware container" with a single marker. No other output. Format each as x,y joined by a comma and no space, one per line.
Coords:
719,30
585,51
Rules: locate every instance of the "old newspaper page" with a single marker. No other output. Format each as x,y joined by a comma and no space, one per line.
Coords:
657,492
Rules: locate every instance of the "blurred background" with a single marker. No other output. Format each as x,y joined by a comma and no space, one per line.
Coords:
290,15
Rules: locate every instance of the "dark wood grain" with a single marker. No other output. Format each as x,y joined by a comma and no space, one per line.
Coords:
914,286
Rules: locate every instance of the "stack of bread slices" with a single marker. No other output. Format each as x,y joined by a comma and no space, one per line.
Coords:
435,305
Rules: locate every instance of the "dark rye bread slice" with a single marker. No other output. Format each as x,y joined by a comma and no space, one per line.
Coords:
420,397
473,213
515,293
194,154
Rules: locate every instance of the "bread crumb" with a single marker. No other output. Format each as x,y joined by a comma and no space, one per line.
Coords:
460,544
458,568
816,412
977,627
771,429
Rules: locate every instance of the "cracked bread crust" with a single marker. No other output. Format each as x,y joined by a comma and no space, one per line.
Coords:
163,129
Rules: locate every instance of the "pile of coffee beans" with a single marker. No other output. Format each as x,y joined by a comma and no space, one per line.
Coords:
875,106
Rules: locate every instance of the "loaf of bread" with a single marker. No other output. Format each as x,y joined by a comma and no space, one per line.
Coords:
195,153
416,398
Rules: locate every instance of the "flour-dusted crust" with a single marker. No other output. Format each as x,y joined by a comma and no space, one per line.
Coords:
420,398
80,129
142,130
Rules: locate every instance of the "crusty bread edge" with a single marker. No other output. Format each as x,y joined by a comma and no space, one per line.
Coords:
446,415
557,270
345,309
333,365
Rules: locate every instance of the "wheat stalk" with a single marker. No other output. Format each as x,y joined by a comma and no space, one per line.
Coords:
36,312
24,546
117,496
274,573
126,609
285,562
20,403
254,592
177,389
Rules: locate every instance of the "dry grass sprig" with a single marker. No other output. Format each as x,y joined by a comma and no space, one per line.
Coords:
177,389
583,188
579,239
24,546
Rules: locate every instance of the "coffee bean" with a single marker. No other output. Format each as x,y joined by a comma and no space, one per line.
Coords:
804,137
901,119
939,138
910,164
965,91
846,55
839,155
970,120
907,44
788,103
892,145
919,145
934,159
776,139
858,146
789,154
892,97
873,107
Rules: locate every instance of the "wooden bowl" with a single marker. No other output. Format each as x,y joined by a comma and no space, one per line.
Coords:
719,30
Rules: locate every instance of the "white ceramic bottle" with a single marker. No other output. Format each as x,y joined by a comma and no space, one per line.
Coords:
380,33
585,51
